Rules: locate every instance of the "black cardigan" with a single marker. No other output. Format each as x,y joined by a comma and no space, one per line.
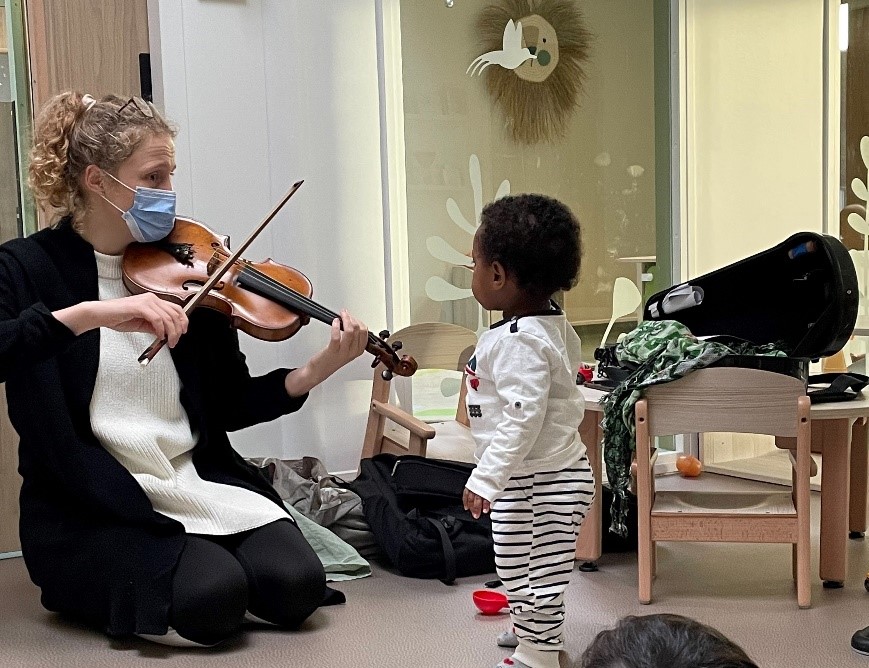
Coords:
90,538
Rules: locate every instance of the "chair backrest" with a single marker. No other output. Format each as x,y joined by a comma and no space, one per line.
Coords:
434,345
437,345
726,399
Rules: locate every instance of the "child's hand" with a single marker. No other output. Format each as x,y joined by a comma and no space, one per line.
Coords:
475,503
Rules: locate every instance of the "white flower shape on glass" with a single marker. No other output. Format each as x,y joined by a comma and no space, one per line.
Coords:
858,222
436,288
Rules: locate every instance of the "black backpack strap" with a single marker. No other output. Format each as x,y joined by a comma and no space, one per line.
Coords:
449,553
842,386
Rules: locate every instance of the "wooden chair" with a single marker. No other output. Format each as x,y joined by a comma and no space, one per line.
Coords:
390,428
725,400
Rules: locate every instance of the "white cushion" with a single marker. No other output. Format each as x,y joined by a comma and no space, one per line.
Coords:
452,440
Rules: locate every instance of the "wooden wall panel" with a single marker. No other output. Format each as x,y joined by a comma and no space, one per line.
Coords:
10,481
87,45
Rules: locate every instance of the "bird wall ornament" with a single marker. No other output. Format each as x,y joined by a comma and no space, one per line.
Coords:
511,55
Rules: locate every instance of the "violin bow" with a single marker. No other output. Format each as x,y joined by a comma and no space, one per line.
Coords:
155,347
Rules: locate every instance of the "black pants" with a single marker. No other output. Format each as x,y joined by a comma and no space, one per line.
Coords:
270,571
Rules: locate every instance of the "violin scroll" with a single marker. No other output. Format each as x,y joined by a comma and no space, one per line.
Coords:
385,353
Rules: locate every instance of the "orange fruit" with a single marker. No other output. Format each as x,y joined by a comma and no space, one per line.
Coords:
688,466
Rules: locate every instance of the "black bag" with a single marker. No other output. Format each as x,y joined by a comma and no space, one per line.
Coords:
414,508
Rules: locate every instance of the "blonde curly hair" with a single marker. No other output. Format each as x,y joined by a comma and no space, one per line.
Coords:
73,131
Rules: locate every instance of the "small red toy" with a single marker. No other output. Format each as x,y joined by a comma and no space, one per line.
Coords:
584,374
489,602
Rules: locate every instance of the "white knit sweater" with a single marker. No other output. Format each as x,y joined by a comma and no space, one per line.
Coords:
137,416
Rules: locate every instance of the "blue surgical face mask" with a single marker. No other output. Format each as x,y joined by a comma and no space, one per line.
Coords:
152,215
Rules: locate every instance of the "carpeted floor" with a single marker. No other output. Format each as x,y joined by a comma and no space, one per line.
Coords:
745,591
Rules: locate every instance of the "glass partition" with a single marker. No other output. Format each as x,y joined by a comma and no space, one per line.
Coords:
577,122
854,164
10,208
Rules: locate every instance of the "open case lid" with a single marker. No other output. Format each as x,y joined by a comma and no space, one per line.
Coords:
802,292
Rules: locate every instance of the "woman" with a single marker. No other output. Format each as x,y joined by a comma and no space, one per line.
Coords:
137,517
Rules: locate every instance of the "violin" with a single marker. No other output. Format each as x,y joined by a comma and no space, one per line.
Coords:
267,300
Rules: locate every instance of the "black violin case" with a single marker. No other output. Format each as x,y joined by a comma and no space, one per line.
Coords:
800,294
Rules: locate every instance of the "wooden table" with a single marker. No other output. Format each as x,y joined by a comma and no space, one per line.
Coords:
839,433
588,545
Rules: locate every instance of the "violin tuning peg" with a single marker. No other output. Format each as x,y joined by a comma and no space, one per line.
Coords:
396,345
384,334
375,362
386,374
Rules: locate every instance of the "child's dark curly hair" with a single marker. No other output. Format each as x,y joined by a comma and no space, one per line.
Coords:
536,238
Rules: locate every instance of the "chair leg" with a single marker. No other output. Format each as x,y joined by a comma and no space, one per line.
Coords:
644,566
795,561
859,477
804,588
645,546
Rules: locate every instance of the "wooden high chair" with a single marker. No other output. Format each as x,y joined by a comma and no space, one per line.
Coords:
391,428
725,400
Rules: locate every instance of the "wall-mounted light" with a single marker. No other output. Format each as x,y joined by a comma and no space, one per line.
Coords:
449,3
843,27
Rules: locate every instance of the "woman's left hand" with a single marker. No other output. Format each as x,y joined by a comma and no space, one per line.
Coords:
344,346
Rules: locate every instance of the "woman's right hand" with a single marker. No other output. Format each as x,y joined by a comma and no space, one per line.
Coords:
140,313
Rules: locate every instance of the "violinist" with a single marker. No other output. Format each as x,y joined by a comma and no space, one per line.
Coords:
137,516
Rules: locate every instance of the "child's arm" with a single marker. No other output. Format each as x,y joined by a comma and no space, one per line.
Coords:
521,373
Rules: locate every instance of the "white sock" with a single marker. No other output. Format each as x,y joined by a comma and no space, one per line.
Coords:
507,639
511,662
535,658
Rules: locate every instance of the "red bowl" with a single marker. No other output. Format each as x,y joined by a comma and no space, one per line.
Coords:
489,602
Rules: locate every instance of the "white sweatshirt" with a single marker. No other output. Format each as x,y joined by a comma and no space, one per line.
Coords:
523,402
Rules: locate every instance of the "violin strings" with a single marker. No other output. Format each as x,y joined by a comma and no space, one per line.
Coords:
265,279
293,295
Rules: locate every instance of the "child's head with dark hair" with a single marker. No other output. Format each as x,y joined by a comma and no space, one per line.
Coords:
663,641
534,239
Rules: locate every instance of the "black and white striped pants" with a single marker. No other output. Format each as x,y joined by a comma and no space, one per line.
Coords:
535,523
